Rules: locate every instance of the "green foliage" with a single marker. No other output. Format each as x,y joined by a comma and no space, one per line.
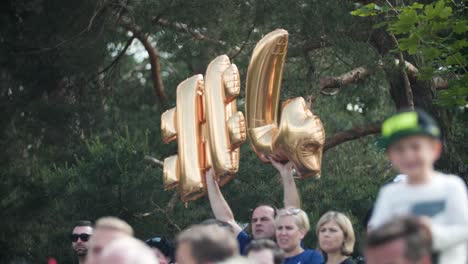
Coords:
73,141
435,32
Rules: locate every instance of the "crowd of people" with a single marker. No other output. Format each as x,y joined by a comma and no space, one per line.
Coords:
421,218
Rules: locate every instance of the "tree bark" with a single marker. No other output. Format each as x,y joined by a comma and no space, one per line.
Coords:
353,76
423,97
351,134
154,60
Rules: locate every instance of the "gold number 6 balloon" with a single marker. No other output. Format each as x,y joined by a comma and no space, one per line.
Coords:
299,136
208,129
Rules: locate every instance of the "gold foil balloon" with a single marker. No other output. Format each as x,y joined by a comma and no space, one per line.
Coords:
225,125
184,123
208,129
299,136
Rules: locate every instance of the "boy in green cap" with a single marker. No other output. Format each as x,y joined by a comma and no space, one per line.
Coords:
412,143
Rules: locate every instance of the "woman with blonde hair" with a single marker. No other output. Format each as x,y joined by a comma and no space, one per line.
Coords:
292,225
336,238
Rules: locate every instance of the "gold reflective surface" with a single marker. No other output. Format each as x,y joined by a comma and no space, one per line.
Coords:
299,136
208,129
222,76
171,172
168,125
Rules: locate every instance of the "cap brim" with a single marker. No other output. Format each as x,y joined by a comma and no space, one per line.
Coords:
385,142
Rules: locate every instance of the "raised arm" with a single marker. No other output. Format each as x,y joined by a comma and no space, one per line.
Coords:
290,193
219,206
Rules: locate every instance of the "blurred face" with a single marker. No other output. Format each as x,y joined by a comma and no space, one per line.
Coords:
331,237
80,246
263,223
391,253
264,256
415,155
184,254
100,239
288,234
162,258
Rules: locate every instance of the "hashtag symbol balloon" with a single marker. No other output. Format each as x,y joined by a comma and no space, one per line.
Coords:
207,127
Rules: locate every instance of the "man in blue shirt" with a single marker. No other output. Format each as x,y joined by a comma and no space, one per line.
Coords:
263,217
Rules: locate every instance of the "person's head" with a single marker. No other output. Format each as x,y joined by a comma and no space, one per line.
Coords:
412,142
200,244
106,230
162,248
263,222
401,241
335,234
80,236
127,250
237,260
220,223
265,251
292,224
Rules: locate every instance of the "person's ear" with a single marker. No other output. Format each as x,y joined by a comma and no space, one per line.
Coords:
303,233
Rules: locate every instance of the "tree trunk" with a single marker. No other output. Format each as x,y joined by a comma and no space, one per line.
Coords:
423,98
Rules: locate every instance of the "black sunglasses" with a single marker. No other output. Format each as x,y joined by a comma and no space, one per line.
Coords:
84,237
154,240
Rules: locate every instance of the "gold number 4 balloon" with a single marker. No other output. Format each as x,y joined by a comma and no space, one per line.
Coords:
300,135
208,129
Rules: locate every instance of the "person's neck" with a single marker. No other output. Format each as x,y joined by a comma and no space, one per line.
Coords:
335,258
81,260
298,250
421,178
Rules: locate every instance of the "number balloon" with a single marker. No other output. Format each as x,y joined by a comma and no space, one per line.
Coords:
299,136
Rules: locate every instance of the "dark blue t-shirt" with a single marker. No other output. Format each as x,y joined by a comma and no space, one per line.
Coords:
309,256
244,240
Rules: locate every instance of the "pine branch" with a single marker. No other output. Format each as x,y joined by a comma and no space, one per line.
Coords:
119,56
337,82
355,75
181,27
351,134
244,43
154,161
154,59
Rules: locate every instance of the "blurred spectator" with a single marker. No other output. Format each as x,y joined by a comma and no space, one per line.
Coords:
127,250
292,225
220,223
412,143
336,238
263,216
265,251
205,244
80,236
404,240
106,230
162,248
238,260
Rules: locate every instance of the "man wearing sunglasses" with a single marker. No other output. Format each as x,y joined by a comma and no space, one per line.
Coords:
263,217
80,236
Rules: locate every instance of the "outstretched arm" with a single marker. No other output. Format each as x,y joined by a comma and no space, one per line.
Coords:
291,195
219,206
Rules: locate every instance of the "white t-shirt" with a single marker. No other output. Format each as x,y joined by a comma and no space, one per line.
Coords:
444,199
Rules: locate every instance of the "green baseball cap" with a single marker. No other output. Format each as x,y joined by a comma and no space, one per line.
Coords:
407,123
